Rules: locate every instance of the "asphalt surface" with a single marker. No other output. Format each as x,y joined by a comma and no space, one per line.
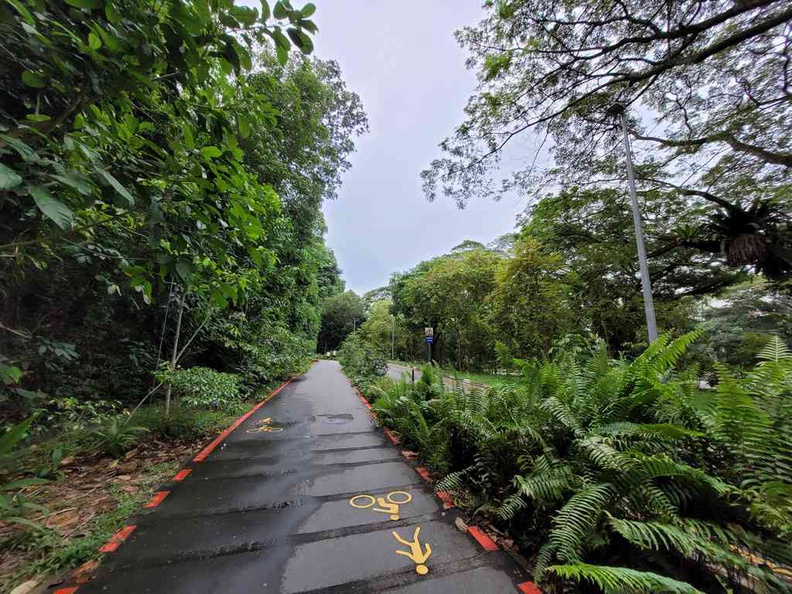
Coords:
274,509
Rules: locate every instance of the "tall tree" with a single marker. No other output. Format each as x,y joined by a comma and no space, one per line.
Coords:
449,294
341,316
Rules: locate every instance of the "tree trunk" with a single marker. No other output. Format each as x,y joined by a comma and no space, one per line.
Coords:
174,353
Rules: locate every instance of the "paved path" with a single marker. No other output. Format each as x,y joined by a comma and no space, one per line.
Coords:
269,511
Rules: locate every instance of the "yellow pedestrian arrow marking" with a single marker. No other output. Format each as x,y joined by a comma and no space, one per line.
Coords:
417,554
389,504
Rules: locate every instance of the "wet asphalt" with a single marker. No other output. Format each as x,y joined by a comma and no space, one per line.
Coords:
306,495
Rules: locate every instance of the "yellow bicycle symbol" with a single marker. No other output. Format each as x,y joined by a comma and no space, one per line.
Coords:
387,505
264,426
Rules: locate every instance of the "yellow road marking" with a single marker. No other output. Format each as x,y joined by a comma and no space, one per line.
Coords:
389,504
417,554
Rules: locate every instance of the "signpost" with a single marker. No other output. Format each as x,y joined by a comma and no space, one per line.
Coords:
429,338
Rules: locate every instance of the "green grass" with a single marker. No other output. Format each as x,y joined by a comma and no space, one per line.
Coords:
490,379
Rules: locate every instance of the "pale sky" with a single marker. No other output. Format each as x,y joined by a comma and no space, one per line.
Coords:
402,59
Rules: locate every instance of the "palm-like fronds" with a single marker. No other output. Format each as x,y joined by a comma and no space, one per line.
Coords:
621,580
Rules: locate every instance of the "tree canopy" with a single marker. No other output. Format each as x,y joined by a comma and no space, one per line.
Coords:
706,89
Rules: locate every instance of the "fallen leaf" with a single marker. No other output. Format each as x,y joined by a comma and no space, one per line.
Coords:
460,524
128,467
67,460
65,519
85,571
131,454
25,588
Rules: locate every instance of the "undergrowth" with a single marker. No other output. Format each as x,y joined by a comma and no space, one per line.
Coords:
620,476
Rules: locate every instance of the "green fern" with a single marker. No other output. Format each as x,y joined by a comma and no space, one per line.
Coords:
621,579
774,351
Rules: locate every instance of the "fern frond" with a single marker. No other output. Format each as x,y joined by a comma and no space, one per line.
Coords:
511,506
576,519
622,579
774,351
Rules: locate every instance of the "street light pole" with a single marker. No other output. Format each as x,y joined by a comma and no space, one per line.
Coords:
646,282
393,338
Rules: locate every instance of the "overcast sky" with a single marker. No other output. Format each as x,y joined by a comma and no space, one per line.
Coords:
402,59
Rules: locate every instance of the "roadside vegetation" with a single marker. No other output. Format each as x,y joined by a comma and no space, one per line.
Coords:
163,166
615,474
615,465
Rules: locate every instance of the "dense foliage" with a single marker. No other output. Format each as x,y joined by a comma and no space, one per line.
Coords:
163,168
362,364
706,88
620,475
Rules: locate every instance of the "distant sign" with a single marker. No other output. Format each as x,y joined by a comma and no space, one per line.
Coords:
429,339
429,332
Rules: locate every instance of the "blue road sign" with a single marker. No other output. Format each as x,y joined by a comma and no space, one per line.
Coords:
429,339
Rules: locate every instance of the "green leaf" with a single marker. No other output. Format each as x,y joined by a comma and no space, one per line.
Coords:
33,79
8,178
244,126
279,10
281,41
23,483
117,186
308,25
24,12
85,3
37,117
308,10
52,208
10,374
184,270
266,13
245,15
75,182
211,152
93,41
14,435
24,150
301,40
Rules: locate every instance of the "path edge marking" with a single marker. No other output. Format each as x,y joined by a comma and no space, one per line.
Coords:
485,541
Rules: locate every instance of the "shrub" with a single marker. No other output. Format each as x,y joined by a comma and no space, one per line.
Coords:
201,387
188,423
115,436
622,474
361,363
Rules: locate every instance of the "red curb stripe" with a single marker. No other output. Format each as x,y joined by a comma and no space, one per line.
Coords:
392,437
220,438
485,541
448,503
182,474
423,472
157,499
65,591
117,539
529,588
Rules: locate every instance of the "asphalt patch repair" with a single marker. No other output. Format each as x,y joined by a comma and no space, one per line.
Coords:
303,494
